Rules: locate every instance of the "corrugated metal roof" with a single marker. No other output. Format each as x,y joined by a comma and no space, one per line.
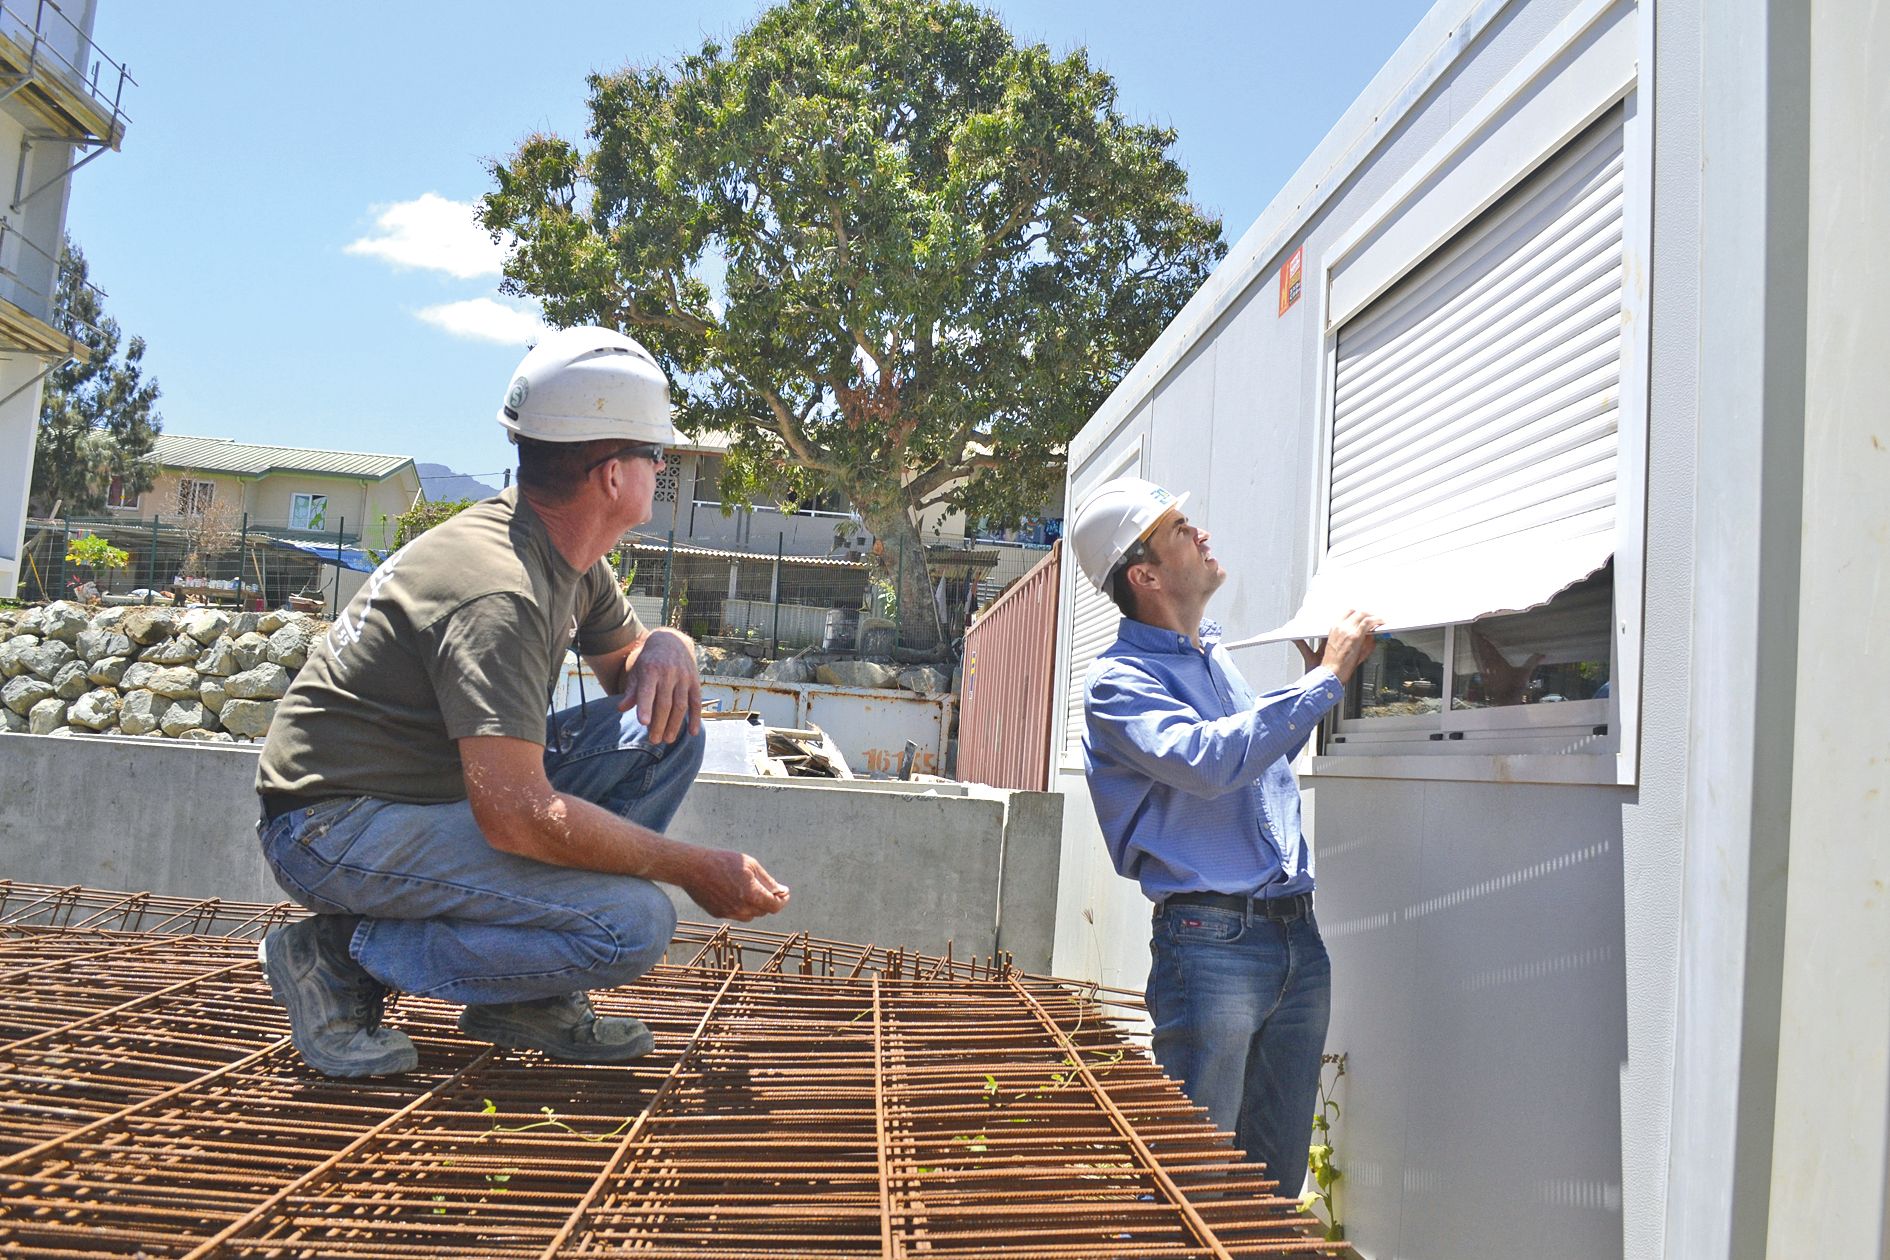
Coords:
249,459
644,546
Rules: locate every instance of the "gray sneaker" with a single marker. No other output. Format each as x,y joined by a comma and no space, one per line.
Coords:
334,1005
563,1027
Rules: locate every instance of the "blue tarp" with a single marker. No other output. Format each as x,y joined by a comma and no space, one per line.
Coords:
328,553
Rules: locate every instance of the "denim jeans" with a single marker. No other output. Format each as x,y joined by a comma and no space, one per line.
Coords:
446,915
1240,1005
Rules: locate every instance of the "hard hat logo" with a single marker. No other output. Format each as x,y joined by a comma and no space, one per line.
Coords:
520,391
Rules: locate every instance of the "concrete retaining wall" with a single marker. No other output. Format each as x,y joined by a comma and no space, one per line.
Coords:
894,865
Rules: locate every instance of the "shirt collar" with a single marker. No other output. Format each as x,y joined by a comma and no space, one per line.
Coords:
1160,639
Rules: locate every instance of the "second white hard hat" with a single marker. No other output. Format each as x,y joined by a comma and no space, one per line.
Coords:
581,384
1112,518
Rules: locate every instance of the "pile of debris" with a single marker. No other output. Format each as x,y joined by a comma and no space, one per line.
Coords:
740,743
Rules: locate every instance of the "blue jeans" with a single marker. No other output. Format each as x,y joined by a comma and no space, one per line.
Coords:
1240,1005
446,915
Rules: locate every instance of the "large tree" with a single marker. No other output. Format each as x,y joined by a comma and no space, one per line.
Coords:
97,416
892,251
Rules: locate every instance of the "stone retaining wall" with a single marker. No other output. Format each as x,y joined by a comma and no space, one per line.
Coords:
177,673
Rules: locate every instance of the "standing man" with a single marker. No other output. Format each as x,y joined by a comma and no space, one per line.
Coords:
452,841
1188,771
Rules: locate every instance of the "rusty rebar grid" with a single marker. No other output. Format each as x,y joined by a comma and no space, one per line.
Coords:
806,1098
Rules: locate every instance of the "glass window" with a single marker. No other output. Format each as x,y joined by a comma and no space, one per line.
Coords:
195,497
1548,655
308,511
118,496
1404,677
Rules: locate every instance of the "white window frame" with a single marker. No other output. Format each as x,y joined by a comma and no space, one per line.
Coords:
126,503
296,509
1601,55
195,496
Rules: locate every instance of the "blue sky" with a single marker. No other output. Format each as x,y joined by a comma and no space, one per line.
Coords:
284,225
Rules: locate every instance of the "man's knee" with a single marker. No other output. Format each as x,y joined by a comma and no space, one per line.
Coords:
641,921
685,755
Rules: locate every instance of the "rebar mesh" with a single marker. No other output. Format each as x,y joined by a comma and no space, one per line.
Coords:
806,1098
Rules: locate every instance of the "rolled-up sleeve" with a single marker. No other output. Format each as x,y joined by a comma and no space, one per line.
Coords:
1137,721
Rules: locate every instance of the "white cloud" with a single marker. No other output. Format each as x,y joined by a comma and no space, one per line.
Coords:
484,319
435,233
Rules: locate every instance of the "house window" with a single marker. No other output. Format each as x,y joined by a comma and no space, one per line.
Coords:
195,497
308,511
118,495
1471,480
708,485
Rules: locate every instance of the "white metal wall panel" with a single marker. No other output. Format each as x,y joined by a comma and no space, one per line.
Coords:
1477,399
1093,618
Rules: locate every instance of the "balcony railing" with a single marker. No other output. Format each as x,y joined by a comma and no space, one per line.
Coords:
54,45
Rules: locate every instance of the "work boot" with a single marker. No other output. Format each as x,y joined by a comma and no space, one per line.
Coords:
563,1027
334,1005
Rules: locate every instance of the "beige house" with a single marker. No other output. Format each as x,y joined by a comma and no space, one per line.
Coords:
285,490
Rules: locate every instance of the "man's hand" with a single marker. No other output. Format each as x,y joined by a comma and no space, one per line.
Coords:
663,686
731,885
1351,642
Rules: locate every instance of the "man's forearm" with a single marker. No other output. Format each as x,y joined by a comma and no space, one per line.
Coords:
564,830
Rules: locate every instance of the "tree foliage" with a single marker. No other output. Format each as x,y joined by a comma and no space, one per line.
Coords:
97,415
887,248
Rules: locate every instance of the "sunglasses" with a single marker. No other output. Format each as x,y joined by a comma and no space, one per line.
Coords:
651,451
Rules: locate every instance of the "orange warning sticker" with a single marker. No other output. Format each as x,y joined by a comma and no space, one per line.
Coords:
1290,279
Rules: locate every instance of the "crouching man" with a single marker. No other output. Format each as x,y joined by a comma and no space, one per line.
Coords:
452,841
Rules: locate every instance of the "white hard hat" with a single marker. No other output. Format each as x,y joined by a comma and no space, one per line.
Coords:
1114,517
581,384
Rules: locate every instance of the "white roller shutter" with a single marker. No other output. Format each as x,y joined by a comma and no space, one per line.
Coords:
1474,409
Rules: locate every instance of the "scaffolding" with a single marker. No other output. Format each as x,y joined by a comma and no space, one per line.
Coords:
806,1098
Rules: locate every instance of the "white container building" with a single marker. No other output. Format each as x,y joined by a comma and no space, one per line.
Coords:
1580,310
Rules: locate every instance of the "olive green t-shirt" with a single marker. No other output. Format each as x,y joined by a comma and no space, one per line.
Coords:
461,632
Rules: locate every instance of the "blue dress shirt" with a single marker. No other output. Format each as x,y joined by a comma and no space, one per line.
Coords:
1188,768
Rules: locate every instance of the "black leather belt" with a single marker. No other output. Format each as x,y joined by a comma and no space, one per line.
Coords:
1278,909
276,804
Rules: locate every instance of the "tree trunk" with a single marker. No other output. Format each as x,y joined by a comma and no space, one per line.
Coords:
919,629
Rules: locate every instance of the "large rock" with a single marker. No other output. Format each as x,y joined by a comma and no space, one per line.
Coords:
273,620
288,646
247,717
30,621
13,654
185,715
111,618
205,624
924,679
244,623
265,682
857,674
12,723
96,644
47,716
252,649
109,672
181,683
64,621
141,712
137,674
219,660
737,666
71,681
208,737
148,625
49,658
210,692
183,650
789,669
94,710
22,693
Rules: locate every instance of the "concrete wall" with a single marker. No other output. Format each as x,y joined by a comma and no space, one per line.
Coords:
1505,952
898,866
